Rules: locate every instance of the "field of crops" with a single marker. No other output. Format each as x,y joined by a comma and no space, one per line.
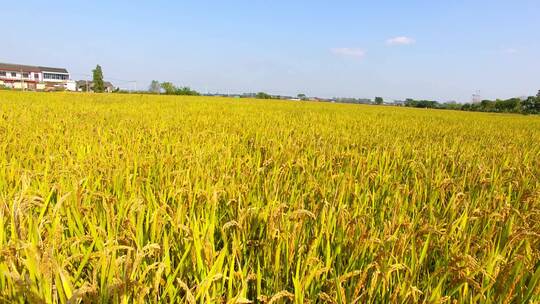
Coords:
139,198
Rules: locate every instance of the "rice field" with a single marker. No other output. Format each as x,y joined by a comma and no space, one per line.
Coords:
162,199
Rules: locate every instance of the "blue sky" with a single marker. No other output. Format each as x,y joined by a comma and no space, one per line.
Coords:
444,50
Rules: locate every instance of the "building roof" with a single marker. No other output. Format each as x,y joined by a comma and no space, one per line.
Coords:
54,70
18,67
82,83
29,68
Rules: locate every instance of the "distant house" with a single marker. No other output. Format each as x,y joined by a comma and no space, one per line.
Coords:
29,77
88,86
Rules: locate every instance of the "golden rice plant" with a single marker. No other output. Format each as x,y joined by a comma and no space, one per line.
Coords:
162,199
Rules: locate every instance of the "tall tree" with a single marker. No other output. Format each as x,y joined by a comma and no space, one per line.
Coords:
155,87
379,100
528,105
99,86
169,88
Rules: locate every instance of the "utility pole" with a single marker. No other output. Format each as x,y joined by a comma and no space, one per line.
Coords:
86,76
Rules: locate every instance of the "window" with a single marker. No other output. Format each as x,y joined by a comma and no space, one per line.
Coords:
53,76
25,75
3,74
13,74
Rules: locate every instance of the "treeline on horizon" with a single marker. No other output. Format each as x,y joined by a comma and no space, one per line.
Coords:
529,105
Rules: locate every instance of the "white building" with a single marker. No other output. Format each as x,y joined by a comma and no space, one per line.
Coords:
35,77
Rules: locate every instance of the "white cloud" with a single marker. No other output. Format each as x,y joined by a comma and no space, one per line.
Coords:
349,52
510,51
401,40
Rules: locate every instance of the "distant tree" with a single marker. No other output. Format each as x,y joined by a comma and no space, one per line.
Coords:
99,86
476,107
515,104
428,104
379,100
487,105
538,95
302,96
262,95
508,105
155,87
409,102
527,105
186,91
169,88
451,106
531,105
537,105
466,107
